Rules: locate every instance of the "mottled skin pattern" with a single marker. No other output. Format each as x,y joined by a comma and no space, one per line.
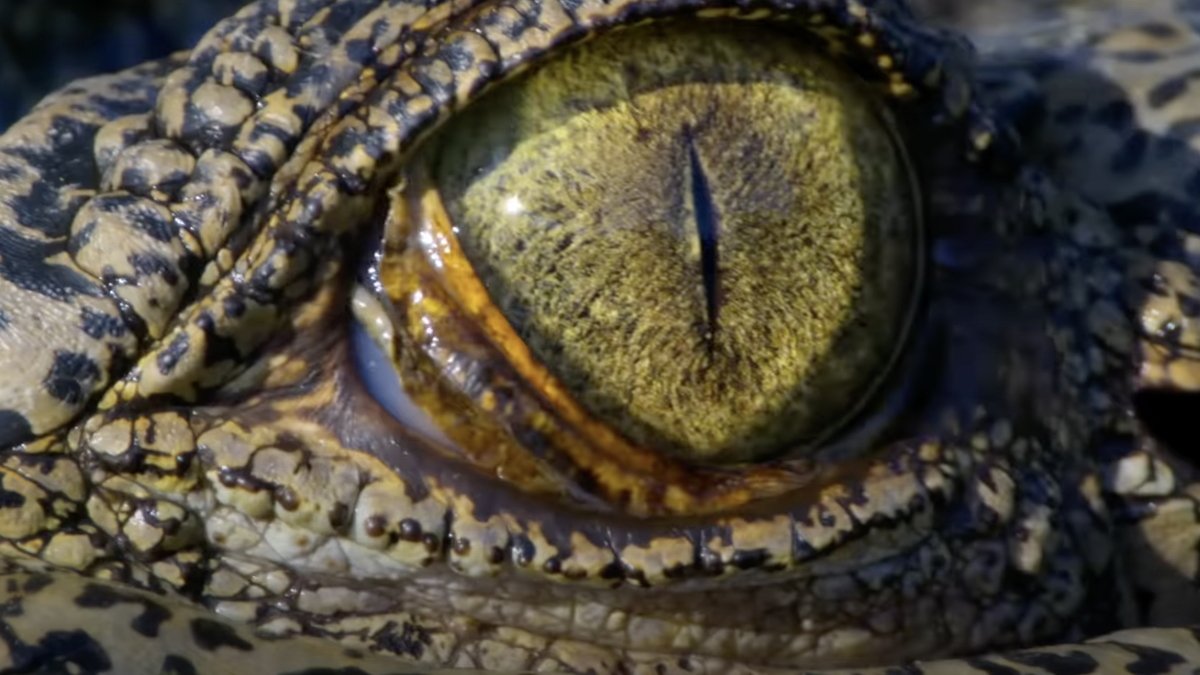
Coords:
190,461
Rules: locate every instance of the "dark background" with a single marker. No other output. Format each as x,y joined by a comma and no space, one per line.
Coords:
44,44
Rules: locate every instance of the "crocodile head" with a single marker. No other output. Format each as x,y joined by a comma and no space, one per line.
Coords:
353,323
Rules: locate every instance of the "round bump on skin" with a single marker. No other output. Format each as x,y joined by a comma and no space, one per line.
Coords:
21,511
274,46
214,115
385,519
210,206
113,138
132,245
243,71
151,168
70,551
1140,474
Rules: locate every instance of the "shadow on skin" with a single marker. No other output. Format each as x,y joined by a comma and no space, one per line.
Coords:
1089,133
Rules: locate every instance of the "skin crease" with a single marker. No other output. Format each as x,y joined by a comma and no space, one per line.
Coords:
597,260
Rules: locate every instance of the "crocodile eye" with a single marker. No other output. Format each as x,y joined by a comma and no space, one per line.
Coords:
706,232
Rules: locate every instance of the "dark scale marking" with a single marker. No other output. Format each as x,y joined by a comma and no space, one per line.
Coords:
72,377
37,582
1185,127
410,530
376,525
342,17
347,670
5,320
260,163
1159,30
121,107
1131,154
991,667
150,264
286,497
521,550
410,640
1166,147
139,181
1117,115
1192,186
432,542
1149,207
825,517
148,623
709,563
749,559
458,56
572,7
57,650
1150,660
65,161
253,85
270,130
212,635
12,608
1137,55
1168,90
81,238
13,428
1074,662
359,50
1189,306
309,79
234,306
169,357
339,516
177,665
438,89
23,263
461,546
1070,114
98,324
147,220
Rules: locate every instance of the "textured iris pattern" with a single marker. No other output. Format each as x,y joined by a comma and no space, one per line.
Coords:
44,45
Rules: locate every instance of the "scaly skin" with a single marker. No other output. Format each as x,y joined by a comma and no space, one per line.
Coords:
190,455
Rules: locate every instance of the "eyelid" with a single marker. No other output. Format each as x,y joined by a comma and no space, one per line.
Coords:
379,375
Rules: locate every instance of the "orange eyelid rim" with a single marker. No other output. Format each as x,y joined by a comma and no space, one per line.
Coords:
437,284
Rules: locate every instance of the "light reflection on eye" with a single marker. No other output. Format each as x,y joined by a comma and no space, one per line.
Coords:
513,205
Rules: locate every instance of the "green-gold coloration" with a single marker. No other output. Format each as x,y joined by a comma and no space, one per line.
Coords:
198,472
581,194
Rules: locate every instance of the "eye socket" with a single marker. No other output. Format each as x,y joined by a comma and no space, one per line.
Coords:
707,232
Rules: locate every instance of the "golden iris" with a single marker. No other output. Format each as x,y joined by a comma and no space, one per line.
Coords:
708,232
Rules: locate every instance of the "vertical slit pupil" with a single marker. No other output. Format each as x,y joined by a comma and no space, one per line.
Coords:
707,229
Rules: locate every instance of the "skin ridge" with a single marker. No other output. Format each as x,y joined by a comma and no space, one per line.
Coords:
236,463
